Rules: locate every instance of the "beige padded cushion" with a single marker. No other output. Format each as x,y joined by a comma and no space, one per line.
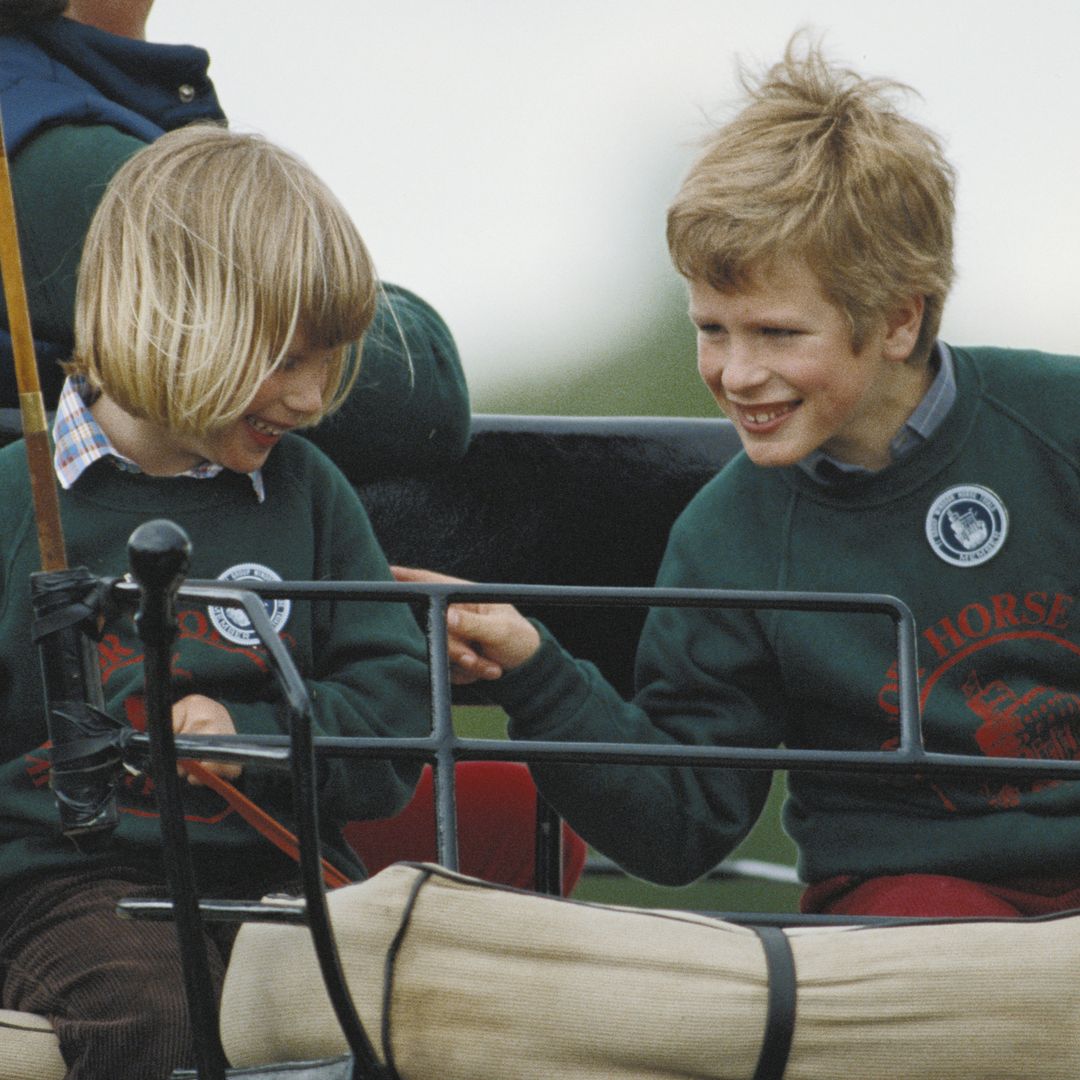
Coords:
492,983
28,1048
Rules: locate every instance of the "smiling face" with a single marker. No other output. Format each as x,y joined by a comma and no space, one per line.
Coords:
293,395
778,357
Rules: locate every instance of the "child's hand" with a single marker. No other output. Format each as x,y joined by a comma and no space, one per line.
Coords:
485,640
199,715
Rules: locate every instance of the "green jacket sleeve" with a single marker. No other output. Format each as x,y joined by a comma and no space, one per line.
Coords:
705,678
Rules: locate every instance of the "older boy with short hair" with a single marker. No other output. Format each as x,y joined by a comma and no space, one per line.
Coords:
815,235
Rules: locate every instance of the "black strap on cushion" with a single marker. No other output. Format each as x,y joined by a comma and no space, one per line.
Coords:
779,967
388,970
780,1021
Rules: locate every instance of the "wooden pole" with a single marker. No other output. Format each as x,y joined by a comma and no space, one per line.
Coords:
39,454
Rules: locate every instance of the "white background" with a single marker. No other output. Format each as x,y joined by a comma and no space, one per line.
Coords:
512,161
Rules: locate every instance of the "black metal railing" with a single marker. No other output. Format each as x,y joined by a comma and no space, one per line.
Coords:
443,748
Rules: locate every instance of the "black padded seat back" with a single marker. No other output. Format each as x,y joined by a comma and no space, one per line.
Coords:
557,500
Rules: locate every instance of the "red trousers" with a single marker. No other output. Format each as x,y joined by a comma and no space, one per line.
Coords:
496,811
938,896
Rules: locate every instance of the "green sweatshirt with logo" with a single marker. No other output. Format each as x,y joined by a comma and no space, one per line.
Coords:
363,663
977,532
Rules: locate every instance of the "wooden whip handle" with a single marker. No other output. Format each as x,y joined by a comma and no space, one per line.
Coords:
39,455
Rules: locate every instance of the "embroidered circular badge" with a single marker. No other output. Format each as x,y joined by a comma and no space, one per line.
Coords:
967,525
233,623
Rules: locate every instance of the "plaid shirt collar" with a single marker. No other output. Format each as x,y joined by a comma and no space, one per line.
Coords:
79,442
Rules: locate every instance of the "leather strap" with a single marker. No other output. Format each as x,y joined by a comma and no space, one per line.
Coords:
780,1021
389,970
261,821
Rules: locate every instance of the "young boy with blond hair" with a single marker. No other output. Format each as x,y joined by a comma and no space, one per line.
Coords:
222,302
815,234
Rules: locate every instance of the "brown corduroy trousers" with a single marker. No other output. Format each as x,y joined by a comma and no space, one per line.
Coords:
112,987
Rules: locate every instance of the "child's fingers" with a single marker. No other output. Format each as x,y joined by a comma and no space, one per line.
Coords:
428,577
498,633
472,665
470,622
467,663
226,770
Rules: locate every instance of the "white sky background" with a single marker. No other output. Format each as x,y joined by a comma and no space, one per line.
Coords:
512,161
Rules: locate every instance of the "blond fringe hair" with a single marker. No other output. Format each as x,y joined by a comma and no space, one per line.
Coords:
819,165
209,250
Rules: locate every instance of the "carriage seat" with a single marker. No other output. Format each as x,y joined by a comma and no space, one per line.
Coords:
554,500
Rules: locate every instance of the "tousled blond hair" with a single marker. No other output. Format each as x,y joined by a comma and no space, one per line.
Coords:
207,253
819,165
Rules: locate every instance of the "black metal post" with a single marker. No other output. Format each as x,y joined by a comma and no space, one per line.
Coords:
159,554
547,856
444,776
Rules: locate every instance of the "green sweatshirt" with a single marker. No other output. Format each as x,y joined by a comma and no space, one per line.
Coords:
991,577
363,662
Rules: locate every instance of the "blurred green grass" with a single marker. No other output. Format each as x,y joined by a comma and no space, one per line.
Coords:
652,373
767,842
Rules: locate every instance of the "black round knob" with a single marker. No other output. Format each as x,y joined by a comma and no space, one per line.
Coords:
159,553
